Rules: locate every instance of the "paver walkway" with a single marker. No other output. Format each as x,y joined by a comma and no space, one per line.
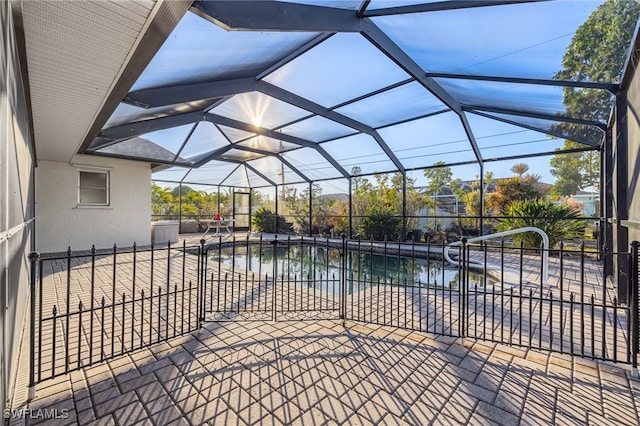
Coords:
317,372
321,373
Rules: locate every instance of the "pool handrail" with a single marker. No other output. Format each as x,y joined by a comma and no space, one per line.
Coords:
545,246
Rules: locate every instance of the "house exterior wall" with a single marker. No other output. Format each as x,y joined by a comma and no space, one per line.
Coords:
16,202
62,223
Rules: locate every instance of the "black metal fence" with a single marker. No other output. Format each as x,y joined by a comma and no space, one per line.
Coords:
574,311
88,307
509,301
276,279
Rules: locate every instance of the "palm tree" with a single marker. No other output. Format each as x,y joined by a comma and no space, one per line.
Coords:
161,199
488,178
520,169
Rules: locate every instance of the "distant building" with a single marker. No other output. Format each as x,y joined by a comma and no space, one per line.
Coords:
587,202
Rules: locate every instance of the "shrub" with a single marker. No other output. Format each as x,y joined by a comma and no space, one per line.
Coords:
380,224
512,190
264,220
557,221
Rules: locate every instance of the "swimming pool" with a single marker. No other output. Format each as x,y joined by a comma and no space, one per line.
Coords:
322,266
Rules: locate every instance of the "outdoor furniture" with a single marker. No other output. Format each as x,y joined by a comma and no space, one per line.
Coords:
227,223
164,231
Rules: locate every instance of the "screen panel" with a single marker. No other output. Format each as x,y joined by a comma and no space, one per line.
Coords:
333,72
516,40
198,51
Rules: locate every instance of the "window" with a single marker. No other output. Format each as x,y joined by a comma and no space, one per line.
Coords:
93,188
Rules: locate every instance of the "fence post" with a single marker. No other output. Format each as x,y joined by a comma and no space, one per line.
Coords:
343,280
633,305
463,289
274,300
34,257
201,285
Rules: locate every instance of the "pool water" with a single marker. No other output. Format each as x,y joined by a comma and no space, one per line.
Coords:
322,265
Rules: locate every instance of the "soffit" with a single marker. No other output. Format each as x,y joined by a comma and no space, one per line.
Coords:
76,52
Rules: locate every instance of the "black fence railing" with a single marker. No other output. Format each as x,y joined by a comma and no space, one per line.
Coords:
92,306
272,279
407,285
508,301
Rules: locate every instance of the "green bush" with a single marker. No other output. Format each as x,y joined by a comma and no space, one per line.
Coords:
264,220
559,222
380,224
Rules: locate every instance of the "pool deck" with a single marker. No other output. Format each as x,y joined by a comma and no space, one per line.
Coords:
248,373
328,373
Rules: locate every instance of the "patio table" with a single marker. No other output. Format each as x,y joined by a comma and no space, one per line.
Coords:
216,223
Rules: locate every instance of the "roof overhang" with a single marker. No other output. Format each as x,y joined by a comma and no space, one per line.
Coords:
82,58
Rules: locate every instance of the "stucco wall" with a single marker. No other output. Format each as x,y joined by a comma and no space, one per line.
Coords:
61,223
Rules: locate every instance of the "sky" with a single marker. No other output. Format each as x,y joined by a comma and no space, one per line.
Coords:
524,40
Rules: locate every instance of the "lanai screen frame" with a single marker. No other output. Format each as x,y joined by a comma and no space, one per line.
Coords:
182,103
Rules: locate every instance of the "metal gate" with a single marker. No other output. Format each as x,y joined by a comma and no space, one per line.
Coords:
272,280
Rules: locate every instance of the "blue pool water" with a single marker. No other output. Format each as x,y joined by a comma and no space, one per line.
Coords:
323,264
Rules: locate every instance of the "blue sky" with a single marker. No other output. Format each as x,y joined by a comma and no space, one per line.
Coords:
523,40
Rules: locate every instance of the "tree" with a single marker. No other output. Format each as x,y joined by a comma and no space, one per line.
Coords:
567,170
264,220
414,201
191,203
380,224
471,201
513,189
383,200
356,176
439,175
296,206
520,169
162,201
597,52
488,178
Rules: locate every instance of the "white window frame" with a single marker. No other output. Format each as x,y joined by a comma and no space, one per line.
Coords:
107,188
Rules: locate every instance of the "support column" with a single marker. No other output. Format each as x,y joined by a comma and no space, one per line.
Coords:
481,200
621,196
404,207
277,213
180,207
311,209
606,200
351,207
250,209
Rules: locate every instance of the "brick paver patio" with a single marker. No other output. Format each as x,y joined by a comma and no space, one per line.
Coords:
244,373
318,372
